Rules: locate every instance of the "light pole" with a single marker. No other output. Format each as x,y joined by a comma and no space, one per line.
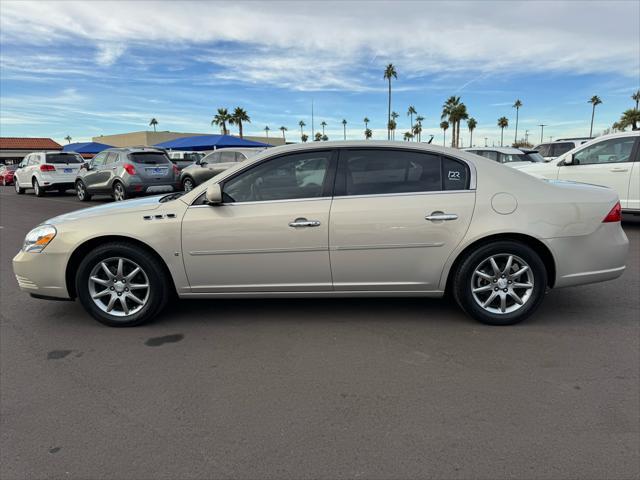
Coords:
541,132
526,136
485,141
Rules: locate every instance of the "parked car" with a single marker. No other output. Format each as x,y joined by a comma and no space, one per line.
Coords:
212,164
508,155
126,172
610,160
6,174
332,220
184,159
44,171
552,150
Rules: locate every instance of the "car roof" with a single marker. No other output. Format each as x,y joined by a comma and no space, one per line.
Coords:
505,150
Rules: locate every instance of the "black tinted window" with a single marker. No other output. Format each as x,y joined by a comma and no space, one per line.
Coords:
544,150
149,158
292,176
63,158
561,148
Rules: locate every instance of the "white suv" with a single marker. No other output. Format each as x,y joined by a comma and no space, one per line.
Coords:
552,150
47,171
611,161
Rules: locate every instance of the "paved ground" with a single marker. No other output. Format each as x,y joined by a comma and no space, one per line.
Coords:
317,388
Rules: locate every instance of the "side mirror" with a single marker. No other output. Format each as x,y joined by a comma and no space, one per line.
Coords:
84,165
214,194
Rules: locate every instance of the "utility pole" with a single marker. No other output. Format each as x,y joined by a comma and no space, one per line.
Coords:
313,130
541,132
485,141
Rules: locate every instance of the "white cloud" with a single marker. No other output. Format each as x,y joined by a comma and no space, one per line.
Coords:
108,53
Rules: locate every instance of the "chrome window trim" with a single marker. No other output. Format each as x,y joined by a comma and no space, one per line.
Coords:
404,194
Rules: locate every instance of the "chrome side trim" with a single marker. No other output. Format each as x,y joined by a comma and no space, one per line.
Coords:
258,250
288,200
382,247
404,194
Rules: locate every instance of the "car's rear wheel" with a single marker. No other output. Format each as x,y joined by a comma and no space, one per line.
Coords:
37,189
500,283
188,184
121,285
81,191
119,192
19,190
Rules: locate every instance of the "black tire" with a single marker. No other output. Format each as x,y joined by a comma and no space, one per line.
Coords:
118,192
19,190
188,184
37,189
159,290
81,191
464,276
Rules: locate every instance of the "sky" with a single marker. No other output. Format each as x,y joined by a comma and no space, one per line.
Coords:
96,68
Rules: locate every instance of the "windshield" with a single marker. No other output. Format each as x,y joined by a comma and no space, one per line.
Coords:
149,158
193,157
534,157
58,158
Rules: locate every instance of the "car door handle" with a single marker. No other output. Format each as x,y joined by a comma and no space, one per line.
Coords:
619,169
441,216
303,222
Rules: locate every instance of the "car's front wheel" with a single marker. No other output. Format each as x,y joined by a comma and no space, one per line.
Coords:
500,283
121,285
19,190
188,184
81,191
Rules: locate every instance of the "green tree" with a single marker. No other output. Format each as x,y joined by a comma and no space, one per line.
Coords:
472,124
68,138
323,124
630,118
317,137
324,138
284,129
238,116
458,113
416,131
449,114
394,124
503,122
636,97
517,106
389,73
344,128
304,137
594,101
302,125
444,125
367,133
420,119
152,123
266,130
221,119
407,136
411,111
366,122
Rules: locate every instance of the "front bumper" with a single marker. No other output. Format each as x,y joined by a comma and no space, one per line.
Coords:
41,274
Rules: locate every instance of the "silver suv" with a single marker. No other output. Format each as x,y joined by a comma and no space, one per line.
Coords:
184,159
125,172
212,164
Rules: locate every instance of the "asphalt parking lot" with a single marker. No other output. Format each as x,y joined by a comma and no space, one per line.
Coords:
326,388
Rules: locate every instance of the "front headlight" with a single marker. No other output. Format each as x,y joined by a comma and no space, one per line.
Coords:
38,238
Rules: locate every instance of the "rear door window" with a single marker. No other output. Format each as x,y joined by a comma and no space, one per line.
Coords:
561,148
57,158
544,150
149,158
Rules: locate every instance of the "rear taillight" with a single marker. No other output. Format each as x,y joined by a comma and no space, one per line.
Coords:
176,170
615,215
130,169
45,167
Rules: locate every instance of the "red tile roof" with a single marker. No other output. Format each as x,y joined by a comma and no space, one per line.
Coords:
17,143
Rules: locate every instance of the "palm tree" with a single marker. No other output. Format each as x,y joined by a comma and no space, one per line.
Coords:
420,119
458,113
389,73
636,97
344,128
631,118
283,129
394,124
411,111
221,118
68,138
152,123
444,125
323,124
472,124
266,130
239,115
302,125
324,138
448,113
503,122
304,137
317,137
517,106
366,122
416,131
368,133
408,136
595,100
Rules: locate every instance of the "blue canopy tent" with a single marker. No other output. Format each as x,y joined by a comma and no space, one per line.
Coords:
88,148
209,142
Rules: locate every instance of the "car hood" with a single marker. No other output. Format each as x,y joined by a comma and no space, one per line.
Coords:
114,208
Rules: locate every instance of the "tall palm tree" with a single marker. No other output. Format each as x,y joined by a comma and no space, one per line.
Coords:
416,131
420,119
472,124
448,113
302,125
68,138
344,128
283,129
153,123
636,97
517,106
411,111
368,133
323,124
444,125
394,124
266,130
366,122
594,101
220,119
389,73
631,118
238,116
458,113
503,122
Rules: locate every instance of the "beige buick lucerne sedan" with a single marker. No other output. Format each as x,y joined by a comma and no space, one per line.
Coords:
335,219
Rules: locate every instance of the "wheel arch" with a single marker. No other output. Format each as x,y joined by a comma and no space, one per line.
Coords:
538,246
85,247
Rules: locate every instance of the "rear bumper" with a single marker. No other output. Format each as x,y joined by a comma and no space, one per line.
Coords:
596,257
41,274
152,188
56,185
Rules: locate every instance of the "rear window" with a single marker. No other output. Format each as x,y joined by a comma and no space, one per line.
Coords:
58,158
149,158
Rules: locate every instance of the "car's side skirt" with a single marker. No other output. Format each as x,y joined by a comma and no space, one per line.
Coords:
318,294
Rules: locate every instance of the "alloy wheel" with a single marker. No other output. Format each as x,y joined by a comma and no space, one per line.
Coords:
80,190
188,185
502,283
118,192
119,286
